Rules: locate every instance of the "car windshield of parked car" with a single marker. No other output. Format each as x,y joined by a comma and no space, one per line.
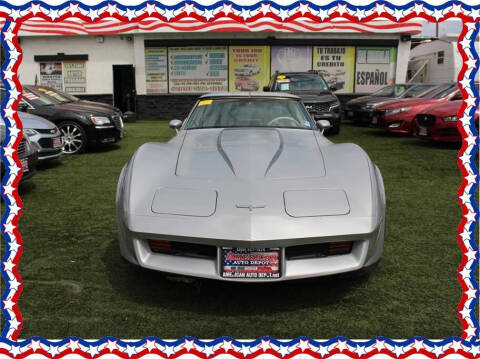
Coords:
249,112
391,91
300,83
441,91
52,96
35,100
64,94
415,91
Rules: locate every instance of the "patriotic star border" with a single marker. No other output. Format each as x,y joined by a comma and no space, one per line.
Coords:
467,346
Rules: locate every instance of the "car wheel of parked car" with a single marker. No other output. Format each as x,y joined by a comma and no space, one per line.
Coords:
74,137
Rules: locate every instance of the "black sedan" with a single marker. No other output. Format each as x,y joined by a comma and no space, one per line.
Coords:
80,125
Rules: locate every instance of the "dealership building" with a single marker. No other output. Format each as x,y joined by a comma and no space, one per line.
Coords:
158,69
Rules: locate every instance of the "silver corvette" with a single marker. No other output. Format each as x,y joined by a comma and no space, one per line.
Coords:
250,190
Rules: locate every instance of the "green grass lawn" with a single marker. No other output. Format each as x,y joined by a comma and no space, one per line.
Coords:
75,282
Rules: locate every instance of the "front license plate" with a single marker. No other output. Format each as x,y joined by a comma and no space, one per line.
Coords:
374,120
422,131
24,163
57,142
250,263
350,113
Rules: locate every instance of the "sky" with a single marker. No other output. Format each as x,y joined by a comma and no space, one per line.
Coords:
446,27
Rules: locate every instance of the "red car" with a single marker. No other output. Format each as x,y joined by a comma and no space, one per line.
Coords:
439,123
398,116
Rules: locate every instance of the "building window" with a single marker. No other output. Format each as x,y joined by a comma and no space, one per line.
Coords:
440,56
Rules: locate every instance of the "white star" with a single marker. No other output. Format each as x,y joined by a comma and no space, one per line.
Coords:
208,14
130,14
227,345
93,14
323,350
360,14
14,323
130,350
73,345
169,350
112,9
470,331
465,43
8,35
53,14
465,273
8,304
465,235
456,9
471,178
14,93
14,350
14,284
471,293
227,9
457,345
471,63
150,8
8,190
8,151
14,131
465,313
111,345
15,14
265,8
470,216
475,13
418,345
470,101
341,9
398,350
8,265
437,14
475,350
9,228
379,344
418,8
471,140
437,350
303,344
14,209
471,25
169,13
209,350
92,350
73,8
189,8
245,14
398,14
34,345
323,14
8,74
465,158
189,345
265,345
283,14
283,350
471,254
149,345
465,82
303,8
14,246
52,350
34,8
379,9
9,113
342,345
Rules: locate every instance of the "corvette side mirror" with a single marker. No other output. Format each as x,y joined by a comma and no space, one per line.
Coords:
323,125
175,124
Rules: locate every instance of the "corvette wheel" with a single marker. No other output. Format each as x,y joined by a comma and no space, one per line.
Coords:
74,137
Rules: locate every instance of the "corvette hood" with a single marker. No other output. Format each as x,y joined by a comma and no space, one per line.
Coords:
250,153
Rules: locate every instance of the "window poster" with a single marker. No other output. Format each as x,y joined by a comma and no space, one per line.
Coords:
336,65
375,68
291,58
156,73
51,74
75,76
249,68
197,69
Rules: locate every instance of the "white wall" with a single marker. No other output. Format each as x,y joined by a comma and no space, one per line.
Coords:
438,73
115,50
403,53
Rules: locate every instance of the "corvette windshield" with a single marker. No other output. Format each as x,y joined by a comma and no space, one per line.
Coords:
249,112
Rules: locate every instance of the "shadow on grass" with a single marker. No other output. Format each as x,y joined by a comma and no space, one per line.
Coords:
437,145
103,148
153,289
47,165
25,187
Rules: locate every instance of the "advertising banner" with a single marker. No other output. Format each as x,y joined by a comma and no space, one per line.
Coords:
375,68
156,73
197,69
51,74
336,65
249,68
291,58
75,76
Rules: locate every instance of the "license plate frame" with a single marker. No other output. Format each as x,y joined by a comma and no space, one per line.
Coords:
422,131
251,263
24,163
57,142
